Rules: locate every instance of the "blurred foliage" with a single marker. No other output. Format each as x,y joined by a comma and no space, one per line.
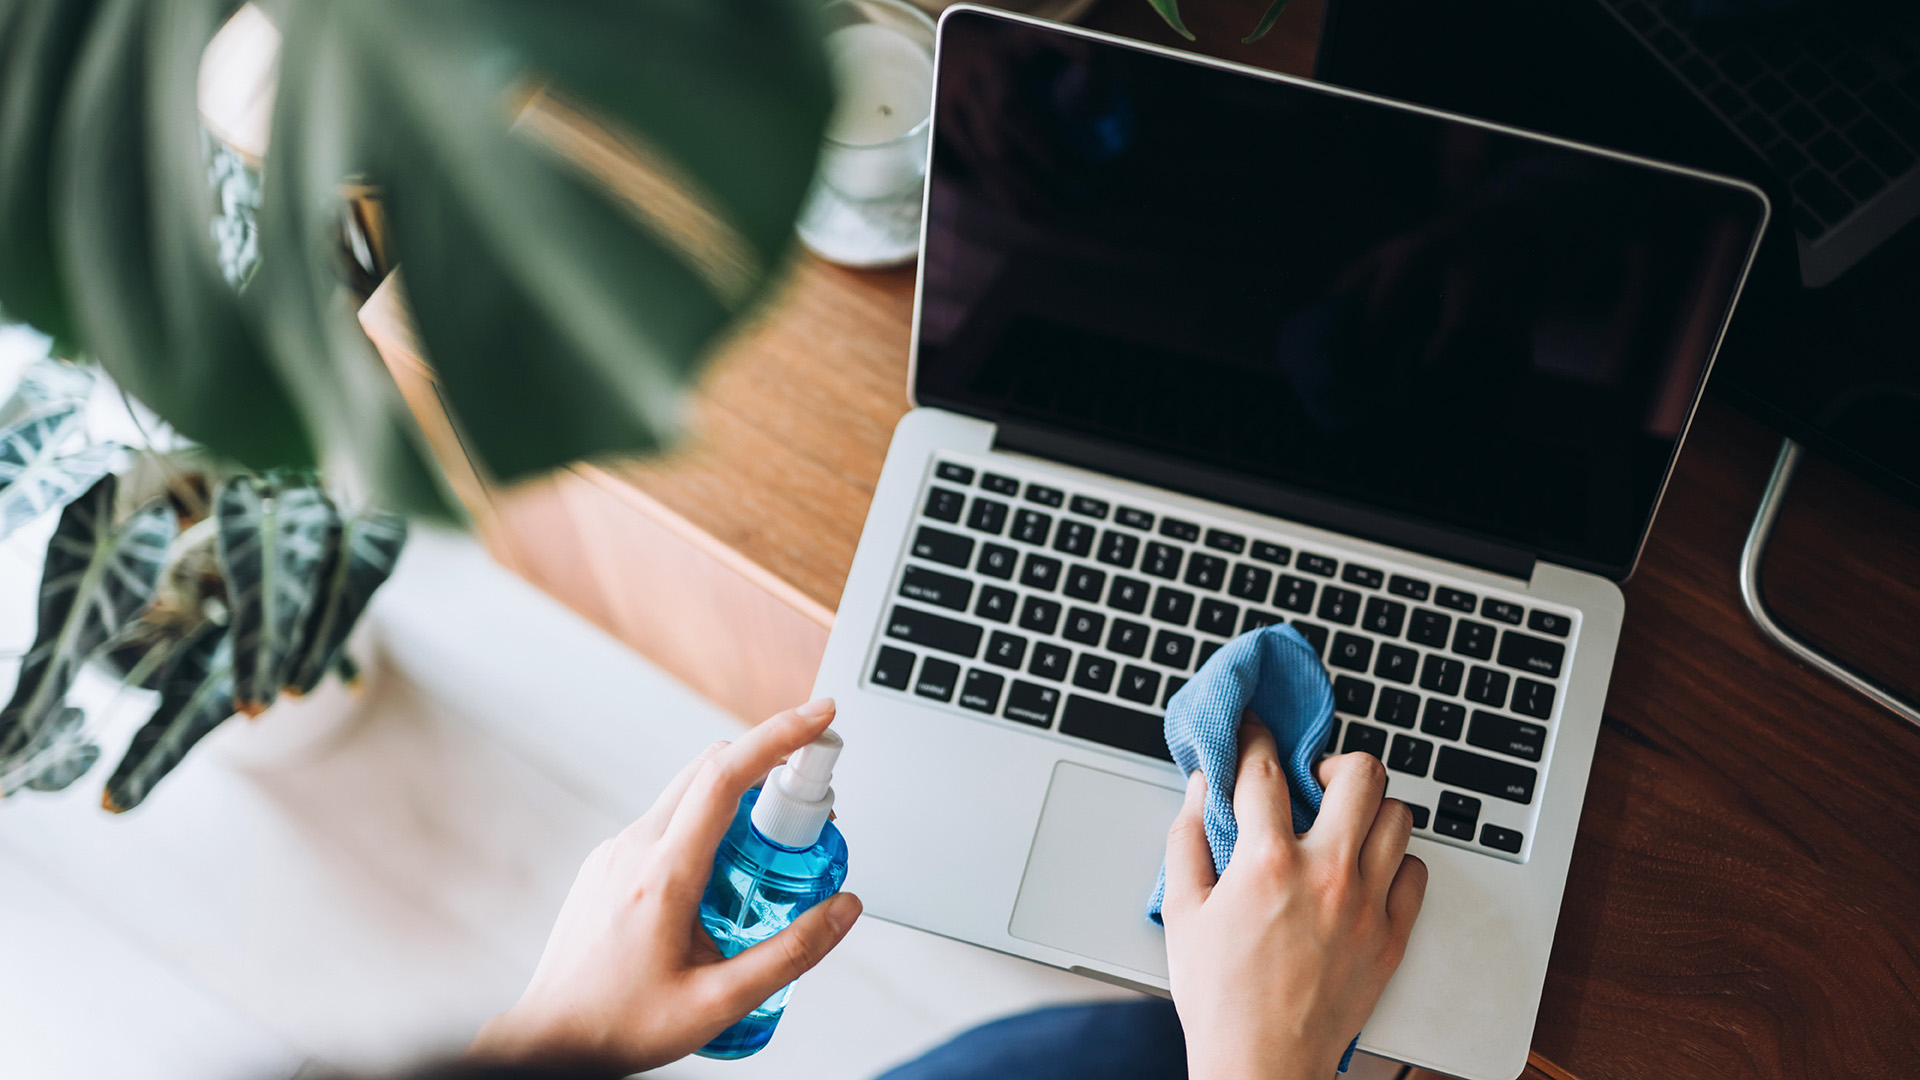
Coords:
1170,11
583,196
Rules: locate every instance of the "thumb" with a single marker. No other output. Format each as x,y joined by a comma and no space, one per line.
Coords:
1190,873
752,977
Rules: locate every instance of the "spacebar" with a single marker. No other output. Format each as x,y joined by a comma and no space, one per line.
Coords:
1125,729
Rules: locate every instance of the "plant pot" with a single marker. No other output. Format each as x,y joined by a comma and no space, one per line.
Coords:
298,730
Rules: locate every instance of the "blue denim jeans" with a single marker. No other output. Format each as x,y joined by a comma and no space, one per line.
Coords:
1121,1040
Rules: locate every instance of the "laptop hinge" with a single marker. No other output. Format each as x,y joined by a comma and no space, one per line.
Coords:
1249,494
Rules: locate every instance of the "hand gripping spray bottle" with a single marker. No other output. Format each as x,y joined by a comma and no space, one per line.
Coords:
780,857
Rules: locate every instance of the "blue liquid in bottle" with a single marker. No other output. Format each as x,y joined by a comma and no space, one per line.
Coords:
759,886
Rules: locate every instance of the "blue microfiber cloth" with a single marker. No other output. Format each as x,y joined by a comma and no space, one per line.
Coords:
1274,672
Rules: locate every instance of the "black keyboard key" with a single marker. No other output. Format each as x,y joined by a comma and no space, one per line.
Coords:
1084,627
1531,654
1073,537
1339,605
1351,695
1384,617
1317,564
1116,726
1443,719
1217,617
1442,674
892,668
1254,619
1039,615
1408,587
1277,554
1085,583
1118,549
1031,704
942,547
1397,662
987,515
996,604
1294,593
1045,496
1250,583
1139,684
1172,650
1350,651
938,679
1455,599
1533,699
959,474
1316,635
1128,638
1365,739
1500,839
1429,628
1205,653
933,587
1179,530
934,631
1397,707
1000,485
1133,519
1362,575
1504,734
1410,755
1487,686
1006,650
1031,527
1173,687
1040,572
944,504
1172,605
1221,540
1089,507
1049,661
1206,571
1454,804
1548,623
1161,560
1093,672
1505,611
1419,813
998,561
1501,779
981,691
1129,595
1458,828
1473,639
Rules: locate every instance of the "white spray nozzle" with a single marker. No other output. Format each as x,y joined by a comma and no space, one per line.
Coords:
797,797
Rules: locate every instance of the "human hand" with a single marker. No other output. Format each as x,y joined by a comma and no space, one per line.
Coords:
1278,962
629,979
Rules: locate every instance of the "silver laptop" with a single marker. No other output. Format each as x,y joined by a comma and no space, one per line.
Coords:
1197,349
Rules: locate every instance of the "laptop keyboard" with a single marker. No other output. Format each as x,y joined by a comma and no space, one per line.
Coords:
1068,611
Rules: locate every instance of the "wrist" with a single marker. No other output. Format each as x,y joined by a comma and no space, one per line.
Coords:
512,1036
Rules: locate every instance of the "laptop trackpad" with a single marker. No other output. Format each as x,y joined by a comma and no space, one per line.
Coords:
1092,868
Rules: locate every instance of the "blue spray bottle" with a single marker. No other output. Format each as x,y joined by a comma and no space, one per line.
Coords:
780,857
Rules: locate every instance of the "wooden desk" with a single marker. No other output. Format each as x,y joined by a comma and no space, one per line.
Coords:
1745,894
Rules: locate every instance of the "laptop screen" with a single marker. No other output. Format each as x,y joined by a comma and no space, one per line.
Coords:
1493,334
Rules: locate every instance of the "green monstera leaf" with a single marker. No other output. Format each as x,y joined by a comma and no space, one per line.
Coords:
360,563
196,696
273,545
37,470
97,580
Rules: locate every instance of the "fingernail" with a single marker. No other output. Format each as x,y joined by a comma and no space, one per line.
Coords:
1196,783
842,910
815,709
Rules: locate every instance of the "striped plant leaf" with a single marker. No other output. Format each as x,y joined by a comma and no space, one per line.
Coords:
361,562
46,386
68,754
97,580
196,696
35,476
273,546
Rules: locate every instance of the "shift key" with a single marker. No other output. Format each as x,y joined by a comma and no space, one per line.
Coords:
1500,779
934,631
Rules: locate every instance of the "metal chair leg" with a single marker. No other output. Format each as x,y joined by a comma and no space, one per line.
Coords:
1751,558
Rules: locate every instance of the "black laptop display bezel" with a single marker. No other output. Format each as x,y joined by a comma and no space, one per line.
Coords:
1261,493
